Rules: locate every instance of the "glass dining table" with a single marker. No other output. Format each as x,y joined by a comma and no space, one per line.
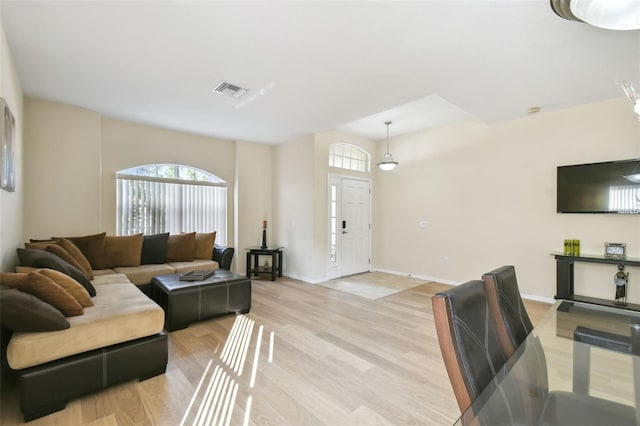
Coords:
578,351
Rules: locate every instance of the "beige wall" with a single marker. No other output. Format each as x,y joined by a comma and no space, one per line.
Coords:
63,164
72,155
487,191
293,194
300,209
126,144
253,198
11,203
488,194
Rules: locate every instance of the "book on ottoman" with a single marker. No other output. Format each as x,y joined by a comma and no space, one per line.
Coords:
197,275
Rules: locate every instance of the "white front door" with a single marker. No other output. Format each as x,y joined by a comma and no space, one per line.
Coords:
350,227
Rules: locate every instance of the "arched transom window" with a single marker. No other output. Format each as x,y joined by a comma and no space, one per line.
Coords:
156,198
350,157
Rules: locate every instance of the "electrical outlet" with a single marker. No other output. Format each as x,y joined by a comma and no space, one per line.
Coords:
445,260
423,224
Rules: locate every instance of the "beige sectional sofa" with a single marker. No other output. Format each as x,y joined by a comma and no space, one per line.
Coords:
117,339
141,275
118,306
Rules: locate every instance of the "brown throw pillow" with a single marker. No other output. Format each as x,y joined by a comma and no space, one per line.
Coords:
65,255
48,291
123,250
12,279
39,245
181,247
204,245
55,248
74,251
92,247
44,259
20,311
70,285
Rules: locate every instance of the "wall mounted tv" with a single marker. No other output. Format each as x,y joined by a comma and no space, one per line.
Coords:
611,187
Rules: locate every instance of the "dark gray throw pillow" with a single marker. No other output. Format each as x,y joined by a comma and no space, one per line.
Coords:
20,311
154,249
45,259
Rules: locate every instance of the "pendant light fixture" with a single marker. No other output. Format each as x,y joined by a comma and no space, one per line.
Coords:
387,162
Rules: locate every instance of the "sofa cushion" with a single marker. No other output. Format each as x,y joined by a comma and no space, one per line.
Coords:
181,247
63,254
122,250
38,245
71,286
45,289
20,311
142,274
154,249
92,247
107,323
55,248
204,245
98,272
113,278
182,267
44,259
74,251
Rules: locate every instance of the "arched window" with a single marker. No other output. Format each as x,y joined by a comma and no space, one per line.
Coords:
350,157
156,198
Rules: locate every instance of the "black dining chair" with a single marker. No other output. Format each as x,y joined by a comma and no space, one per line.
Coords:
468,342
540,405
510,315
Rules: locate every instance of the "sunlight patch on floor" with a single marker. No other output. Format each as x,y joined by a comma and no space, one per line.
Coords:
216,400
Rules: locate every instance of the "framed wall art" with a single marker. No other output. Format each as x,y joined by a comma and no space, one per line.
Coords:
7,163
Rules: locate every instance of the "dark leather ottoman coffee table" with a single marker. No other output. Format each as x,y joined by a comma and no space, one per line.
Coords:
185,302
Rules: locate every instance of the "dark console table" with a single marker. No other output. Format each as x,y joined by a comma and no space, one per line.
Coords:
564,278
253,266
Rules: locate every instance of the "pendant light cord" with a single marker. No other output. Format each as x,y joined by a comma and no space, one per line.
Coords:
387,123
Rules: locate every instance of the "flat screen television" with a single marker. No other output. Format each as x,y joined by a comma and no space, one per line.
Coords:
610,187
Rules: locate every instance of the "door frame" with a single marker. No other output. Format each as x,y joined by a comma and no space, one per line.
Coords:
335,271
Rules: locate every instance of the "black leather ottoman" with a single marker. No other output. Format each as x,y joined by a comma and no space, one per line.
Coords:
185,302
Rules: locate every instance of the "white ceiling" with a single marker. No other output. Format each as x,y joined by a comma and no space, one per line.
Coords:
313,66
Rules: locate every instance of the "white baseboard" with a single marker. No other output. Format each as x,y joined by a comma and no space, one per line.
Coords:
450,282
307,279
420,277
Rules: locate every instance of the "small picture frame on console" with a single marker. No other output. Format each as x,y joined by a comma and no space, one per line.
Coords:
615,250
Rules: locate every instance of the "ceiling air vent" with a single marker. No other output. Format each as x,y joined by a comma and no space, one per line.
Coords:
229,89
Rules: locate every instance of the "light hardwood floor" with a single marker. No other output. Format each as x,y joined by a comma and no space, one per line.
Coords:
324,357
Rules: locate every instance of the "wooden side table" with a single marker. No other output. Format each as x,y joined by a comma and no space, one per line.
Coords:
253,262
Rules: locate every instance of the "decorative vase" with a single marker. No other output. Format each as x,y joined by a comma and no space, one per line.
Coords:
263,245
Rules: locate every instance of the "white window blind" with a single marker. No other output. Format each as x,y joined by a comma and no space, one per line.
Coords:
149,203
